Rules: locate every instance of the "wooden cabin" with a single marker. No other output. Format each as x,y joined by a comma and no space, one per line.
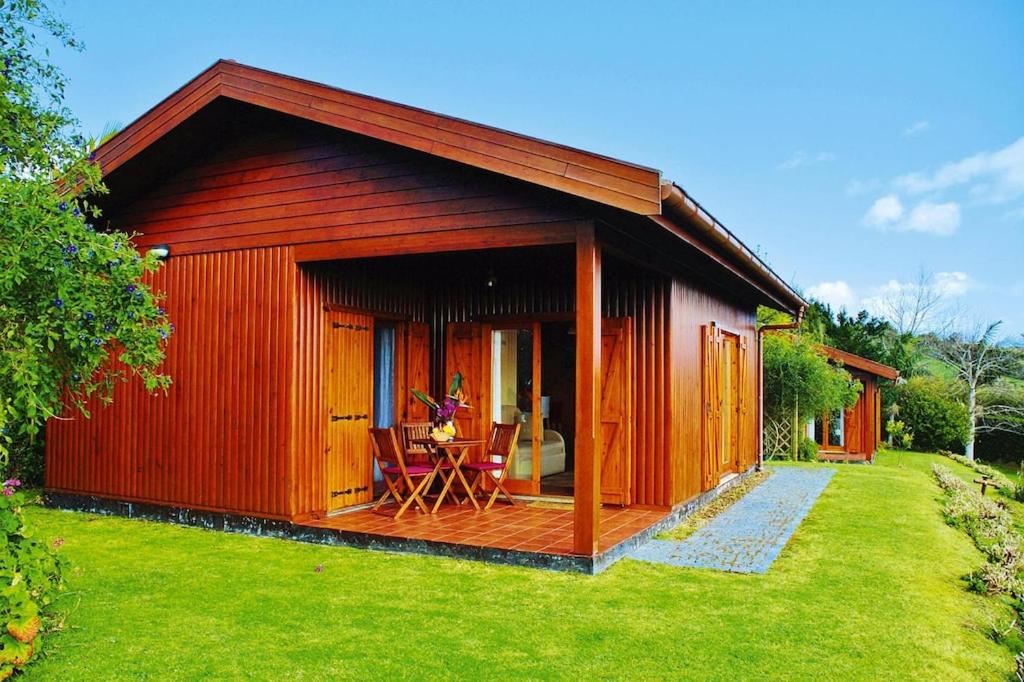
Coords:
330,251
853,435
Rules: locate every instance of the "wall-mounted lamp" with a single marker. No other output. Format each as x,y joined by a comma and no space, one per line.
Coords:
161,251
492,279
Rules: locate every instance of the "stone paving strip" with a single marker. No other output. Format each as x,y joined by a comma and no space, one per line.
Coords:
747,536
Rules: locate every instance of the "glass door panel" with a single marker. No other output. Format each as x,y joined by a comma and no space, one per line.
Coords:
512,392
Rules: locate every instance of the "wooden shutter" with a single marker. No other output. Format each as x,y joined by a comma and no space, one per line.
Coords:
745,426
467,350
416,372
711,394
851,428
348,401
616,410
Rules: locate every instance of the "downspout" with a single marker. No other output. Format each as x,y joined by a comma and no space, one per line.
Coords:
760,378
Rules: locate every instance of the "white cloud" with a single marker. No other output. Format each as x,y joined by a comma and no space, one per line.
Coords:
916,128
940,219
884,211
948,285
802,158
888,213
837,294
956,283
993,177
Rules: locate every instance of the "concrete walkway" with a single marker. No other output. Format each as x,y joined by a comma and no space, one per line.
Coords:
747,536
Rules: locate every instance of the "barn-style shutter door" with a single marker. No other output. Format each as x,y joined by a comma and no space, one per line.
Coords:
415,363
744,430
853,424
348,401
467,350
616,409
711,394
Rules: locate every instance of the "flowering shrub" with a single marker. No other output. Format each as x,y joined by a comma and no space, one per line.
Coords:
991,527
31,578
76,316
1006,487
75,313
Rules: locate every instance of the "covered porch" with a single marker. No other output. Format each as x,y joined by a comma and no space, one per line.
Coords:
543,335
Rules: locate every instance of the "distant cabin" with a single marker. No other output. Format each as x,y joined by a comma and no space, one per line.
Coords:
853,434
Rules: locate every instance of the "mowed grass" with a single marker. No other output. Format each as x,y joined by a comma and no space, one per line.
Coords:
921,461
868,588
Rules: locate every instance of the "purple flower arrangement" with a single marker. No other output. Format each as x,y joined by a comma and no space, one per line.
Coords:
10,485
444,411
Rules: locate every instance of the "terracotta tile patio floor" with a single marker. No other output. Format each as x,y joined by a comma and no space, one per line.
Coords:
524,527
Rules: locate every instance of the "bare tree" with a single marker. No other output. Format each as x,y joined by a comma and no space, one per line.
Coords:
910,307
977,360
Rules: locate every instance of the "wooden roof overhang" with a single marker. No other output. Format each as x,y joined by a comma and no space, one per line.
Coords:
861,363
625,188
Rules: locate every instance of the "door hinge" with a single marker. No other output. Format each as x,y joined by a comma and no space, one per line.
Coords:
349,491
348,417
353,327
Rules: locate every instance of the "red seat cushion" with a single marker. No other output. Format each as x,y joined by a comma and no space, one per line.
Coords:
483,466
412,469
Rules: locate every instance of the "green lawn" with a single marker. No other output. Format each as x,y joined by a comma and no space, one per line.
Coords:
920,461
869,588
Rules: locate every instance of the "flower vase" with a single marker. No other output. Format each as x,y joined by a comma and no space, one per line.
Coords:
443,431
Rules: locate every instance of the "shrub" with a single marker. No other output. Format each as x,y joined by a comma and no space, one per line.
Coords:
1006,487
930,411
900,436
807,451
33,574
27,460
798,375
991,527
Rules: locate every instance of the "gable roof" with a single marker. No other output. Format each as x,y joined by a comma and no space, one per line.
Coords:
861,363
610,182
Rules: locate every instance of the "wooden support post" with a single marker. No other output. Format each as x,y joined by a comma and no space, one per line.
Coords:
587,478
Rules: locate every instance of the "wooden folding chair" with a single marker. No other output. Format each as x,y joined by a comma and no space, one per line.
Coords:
414,452
398,477
501,444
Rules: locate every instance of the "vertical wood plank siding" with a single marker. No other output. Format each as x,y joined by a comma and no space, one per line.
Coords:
218,439
240,428
692,307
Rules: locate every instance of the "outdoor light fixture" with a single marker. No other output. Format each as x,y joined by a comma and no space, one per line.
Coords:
161,251
492,279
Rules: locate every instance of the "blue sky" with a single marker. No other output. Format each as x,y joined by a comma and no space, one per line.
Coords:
852,146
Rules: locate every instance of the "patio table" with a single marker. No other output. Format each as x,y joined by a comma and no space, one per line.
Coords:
453,452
